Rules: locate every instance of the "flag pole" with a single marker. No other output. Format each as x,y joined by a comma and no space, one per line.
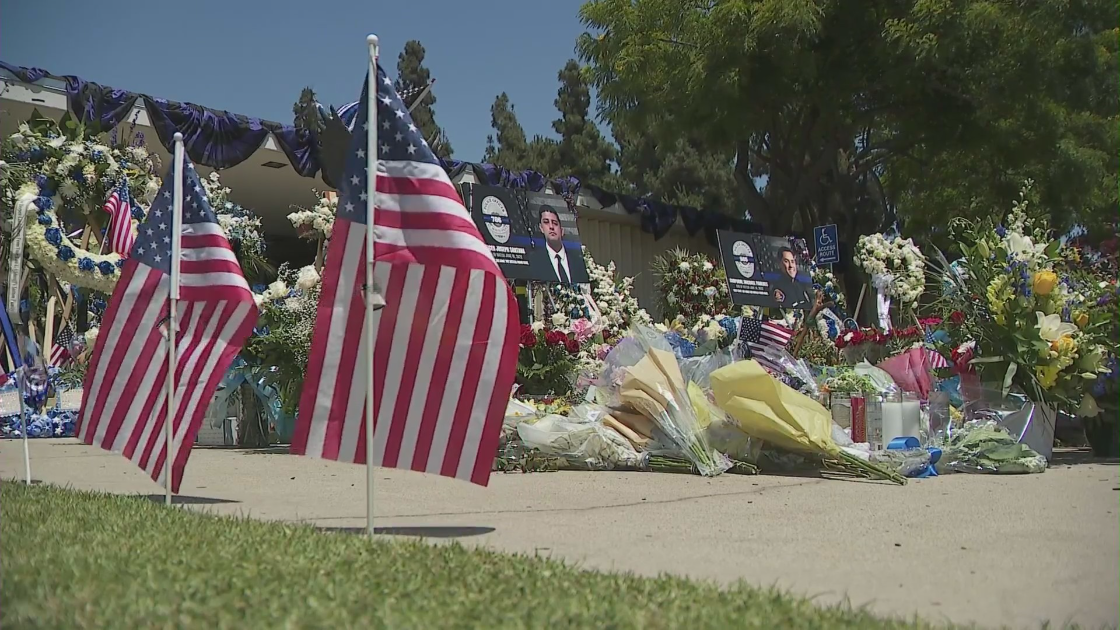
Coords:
371,194
172,323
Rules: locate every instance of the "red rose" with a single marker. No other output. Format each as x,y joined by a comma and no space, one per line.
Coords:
572,345
957,318
554,338
526,329
528,339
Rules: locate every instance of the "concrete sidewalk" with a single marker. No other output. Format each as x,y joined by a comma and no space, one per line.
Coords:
995,550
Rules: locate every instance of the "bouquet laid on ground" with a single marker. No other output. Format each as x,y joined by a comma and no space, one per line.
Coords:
986,447
1030,328
649,390
773,412
705,335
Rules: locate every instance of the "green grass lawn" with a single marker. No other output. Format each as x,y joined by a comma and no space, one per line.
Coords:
85,560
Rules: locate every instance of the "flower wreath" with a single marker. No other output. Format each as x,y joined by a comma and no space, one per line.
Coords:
41,164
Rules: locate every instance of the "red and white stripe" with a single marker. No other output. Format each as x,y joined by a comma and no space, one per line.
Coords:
124,404
119,233
936,360
445,345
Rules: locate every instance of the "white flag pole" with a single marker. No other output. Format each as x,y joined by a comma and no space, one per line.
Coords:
371,194
172,319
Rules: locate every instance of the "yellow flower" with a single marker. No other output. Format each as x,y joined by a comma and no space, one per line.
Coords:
1047,375
1081,319
1044,282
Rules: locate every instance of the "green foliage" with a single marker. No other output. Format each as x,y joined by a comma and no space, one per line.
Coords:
306,111
582,152
834,115
510,149
412,73
110,561
547,361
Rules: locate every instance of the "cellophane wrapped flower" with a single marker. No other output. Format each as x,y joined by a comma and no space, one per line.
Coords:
1035,324
895,265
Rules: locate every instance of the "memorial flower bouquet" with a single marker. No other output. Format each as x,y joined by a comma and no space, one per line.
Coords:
614,308
1032,328
895,265
547,361
242,228
318,222
282,338
690,285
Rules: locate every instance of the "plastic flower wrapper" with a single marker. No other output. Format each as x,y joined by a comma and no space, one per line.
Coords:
580,439
769,410
986,447
644,377
910,371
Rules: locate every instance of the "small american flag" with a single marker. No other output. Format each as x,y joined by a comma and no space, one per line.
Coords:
445,344
60,352
766,340
124,402
119,207
936,361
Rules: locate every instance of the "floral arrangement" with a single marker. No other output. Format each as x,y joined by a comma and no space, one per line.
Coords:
617,308
282,339
242,228
1029,328
702,337
547,360
690,285
50,424
318,222
825,282
895,265
52,168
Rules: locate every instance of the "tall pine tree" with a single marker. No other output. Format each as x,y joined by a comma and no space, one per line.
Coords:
582,152
510,148
411,73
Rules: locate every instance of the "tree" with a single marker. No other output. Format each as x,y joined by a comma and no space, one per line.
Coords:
411,73
837,116
582,151
510,150
306,111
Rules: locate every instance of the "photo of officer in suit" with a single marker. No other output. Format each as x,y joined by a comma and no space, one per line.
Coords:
554,262
787,291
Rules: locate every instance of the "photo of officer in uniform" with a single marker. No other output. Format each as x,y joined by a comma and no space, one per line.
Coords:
787,291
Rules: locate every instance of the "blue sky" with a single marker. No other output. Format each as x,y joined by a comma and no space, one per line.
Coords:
253,57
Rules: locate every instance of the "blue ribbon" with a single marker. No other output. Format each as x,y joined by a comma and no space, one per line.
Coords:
909,443
240,373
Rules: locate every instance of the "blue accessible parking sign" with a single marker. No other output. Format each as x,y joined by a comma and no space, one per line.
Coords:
827,244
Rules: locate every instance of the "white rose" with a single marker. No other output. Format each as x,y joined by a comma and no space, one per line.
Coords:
684,266
277,290
559,320
308,278
708,266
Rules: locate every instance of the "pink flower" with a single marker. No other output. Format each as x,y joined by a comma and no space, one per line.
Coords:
583,329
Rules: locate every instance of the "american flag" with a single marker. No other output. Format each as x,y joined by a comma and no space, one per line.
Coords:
119,207
445,344
60,352
766,340
124,404
936,361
